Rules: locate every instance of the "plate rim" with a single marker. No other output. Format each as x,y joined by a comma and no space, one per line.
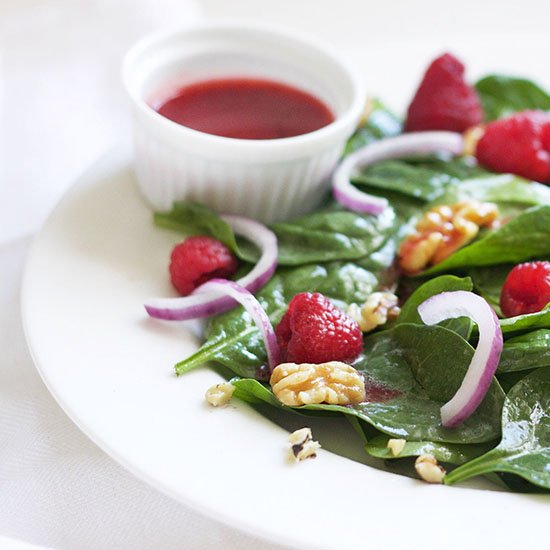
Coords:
116,159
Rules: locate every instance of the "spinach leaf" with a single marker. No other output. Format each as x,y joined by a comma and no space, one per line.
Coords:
525,446
451,453
504,95
192,218
508,380
423,179
515,483
408,378
232,337
406,207
444,283
523,323
526,351
523,238
329,234
488,282
332,234
382,263
406,210
255,393
511,193
380,123
459,168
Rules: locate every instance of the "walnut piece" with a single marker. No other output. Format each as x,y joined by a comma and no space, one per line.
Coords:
396,446
303,384
471,139
220,394
417,250
428,469
442,231
378,308
302,445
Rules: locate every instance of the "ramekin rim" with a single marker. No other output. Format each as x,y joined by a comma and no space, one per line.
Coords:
300,142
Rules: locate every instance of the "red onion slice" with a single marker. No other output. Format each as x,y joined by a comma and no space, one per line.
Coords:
204,304
254,309
416,143
478,378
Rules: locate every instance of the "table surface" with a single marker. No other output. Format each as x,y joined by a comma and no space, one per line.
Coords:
62,105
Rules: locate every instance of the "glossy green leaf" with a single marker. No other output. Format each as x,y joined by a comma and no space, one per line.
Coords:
503,95
527,351
524,323
511,193
410,378
488,282
508,380
443,452
525,446
329,234
381,123
191,218
332,234
423,179
256,393
382,263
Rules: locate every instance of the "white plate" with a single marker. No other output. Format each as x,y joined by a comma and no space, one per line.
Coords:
92,266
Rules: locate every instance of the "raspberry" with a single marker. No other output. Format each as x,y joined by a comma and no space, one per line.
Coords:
545,134
313,330
444,101
199,259
526,289
519,145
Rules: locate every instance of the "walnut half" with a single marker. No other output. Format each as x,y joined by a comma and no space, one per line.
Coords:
378,308
335,383
442,230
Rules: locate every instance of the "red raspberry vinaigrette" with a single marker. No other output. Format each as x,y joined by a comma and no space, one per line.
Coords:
245,108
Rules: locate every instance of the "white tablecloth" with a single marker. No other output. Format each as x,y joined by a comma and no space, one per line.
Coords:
61,106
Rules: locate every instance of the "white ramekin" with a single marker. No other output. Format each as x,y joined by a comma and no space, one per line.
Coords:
265,179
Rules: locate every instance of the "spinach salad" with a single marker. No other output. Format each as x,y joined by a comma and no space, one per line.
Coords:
410,369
